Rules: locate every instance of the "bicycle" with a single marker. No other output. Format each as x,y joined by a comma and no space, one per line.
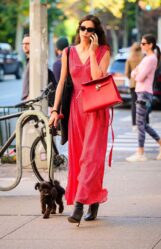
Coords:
45,138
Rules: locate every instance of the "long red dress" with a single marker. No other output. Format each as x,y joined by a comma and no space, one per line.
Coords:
87,141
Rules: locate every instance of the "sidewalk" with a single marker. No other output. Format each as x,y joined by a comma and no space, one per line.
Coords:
131,219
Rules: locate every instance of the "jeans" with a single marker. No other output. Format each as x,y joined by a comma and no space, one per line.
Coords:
133,107
143,105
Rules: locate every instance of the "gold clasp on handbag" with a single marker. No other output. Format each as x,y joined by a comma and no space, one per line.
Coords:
98,87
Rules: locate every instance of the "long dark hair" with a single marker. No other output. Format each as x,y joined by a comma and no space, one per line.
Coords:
98,29
151,39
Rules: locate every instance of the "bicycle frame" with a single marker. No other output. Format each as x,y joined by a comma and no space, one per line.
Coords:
19,127
13,135
20,121
26,116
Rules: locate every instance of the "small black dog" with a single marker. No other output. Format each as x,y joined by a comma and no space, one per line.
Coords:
50,194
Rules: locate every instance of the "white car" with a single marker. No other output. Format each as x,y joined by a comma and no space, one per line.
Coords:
117,69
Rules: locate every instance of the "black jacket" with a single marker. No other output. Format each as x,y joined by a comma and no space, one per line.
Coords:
51,78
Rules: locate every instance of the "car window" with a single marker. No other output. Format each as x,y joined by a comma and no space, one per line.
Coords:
118,66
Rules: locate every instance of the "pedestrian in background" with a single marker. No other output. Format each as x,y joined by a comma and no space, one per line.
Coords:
144,76
87,132
25,86
61,43
134,59
26,50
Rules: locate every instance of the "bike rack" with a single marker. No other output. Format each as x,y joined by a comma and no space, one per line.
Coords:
19,126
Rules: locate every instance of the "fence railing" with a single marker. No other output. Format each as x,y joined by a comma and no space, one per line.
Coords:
7,126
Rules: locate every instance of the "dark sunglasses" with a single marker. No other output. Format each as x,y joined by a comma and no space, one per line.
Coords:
90,30
143,43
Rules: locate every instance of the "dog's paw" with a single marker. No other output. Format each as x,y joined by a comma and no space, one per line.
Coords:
53,211
61,209
46,217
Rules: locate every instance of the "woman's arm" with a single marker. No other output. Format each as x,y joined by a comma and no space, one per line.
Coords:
98,70
60,86
146,69
58,95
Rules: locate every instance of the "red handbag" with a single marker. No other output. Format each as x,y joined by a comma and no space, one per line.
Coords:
99,94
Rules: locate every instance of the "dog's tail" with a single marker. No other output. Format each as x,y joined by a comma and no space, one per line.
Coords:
59,188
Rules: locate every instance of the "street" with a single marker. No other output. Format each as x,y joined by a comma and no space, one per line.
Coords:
11,90
125,139
131,219
128,194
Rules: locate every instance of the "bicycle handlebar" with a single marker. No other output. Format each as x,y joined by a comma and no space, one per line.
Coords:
26,103
44,94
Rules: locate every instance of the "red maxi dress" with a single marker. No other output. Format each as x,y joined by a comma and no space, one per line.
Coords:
87,139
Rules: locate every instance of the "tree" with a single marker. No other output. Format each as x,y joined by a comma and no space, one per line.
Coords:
151,19
15,15
55,15
8,20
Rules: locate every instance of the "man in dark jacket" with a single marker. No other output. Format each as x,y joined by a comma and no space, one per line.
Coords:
51,78
26,49
61,43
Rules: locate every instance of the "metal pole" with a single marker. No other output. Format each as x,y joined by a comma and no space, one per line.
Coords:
38,46
159,30
38,67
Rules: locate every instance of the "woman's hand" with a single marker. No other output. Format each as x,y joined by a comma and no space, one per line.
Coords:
94,42
53,120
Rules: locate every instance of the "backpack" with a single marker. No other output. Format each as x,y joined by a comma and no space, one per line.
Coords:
51,95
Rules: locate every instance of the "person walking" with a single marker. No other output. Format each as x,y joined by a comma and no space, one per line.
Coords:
134,59
144,75
87,132
61,43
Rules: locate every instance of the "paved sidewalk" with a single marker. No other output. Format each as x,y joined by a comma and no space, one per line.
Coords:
131,219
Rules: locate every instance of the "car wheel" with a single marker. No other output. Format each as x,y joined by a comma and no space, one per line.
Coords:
18,73
1,73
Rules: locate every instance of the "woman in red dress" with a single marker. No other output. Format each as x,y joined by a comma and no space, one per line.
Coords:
88,132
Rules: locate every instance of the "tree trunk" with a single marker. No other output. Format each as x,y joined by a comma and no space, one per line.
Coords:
19,36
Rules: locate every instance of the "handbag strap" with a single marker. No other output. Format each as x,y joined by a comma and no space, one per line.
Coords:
113,137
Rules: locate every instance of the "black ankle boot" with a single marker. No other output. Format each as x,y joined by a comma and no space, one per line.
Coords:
77,213
92,212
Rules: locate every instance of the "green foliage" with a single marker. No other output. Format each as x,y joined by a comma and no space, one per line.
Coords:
55,16
8,21
60,30
119,13
11,10
129,18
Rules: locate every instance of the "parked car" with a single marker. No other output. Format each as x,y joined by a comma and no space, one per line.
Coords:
10,62
117,68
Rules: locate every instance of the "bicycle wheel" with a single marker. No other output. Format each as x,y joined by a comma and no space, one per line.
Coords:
59,162
36,156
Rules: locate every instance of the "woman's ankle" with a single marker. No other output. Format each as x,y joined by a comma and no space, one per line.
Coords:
159,142
140,150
